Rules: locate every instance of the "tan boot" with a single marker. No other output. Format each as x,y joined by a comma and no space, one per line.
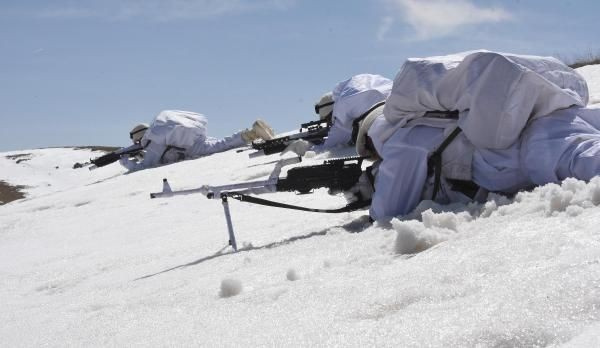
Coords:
249,135
263,130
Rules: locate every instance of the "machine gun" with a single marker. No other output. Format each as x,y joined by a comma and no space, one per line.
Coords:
110,157
336,174
313,132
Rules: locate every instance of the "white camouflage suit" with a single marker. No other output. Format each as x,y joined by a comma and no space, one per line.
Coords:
523,120
352,98
176,135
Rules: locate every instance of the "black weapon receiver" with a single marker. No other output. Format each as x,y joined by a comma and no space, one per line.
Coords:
315,125
313,132
115,155
338,175
277,145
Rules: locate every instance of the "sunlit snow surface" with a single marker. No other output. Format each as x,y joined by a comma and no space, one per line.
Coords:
592,76
87,259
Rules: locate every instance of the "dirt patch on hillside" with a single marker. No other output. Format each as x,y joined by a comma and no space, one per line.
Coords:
9,193
98,148
19,157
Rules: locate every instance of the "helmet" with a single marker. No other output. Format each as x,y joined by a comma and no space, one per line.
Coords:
138,132
324,107
364,147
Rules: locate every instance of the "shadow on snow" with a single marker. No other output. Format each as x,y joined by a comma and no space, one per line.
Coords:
355,226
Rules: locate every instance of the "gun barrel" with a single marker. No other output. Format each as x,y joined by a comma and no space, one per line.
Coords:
114,156
105,159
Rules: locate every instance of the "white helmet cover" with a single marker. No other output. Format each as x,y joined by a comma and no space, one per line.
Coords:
324,107
138,132
361,139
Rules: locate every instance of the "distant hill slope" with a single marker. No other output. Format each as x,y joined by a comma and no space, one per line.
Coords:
591,73
17,181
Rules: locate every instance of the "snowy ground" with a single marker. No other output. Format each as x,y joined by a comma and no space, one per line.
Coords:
592,76
88,259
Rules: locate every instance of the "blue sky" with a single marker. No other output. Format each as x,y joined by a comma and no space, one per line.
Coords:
83,72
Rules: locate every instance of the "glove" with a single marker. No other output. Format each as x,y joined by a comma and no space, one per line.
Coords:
362,190
299,147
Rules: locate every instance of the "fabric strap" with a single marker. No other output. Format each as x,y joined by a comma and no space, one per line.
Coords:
435,161
255,200
356,122
180,153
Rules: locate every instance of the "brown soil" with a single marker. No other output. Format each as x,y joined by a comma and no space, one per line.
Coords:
584,62
98,148
17,156
20,157
10,193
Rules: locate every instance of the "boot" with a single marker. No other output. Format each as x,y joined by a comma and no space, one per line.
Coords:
263,130
260,130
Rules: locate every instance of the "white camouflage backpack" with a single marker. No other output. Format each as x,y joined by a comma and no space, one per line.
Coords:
495,93
177,131
493,96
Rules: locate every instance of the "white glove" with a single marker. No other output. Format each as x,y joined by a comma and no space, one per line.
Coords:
362,190
299,147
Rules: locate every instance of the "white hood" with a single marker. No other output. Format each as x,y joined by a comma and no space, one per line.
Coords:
177,128
353,97
496,93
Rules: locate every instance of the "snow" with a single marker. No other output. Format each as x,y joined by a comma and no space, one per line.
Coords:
591,73
230,287
87,258
292,275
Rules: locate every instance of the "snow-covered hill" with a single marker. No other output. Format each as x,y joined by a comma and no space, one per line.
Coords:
88,259
592,76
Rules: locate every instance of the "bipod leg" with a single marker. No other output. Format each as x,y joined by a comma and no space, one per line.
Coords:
229,223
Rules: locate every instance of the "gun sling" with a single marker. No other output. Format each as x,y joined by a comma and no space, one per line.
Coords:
356,122
255,200
434,164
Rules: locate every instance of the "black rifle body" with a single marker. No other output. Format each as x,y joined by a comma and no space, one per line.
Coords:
315,133
115,155
337,175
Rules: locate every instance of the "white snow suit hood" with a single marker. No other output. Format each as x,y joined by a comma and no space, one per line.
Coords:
355,96
176,128
495,93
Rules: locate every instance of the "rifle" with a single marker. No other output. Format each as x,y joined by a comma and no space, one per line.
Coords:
314,132
336,174
110,157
